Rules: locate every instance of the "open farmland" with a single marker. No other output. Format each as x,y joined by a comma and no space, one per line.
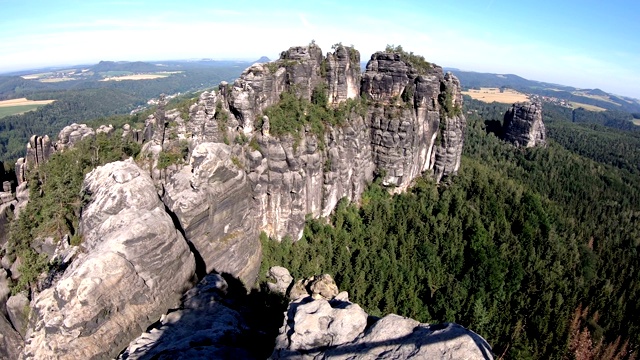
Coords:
19,106
490,95
151,76
576,105
595,97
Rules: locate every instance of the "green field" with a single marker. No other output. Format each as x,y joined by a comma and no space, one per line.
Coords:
18,109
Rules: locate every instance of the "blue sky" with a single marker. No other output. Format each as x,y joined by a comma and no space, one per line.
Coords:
580,43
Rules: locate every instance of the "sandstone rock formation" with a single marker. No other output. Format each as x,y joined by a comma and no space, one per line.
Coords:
135,266
39,149
214,177
72,134
18,312
335,328
212,323
410,124
523,125
211,199
281,277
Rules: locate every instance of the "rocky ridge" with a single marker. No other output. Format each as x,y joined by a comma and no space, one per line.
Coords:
323,324
213,178
399,122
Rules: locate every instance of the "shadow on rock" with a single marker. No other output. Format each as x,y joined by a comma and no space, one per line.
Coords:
217,319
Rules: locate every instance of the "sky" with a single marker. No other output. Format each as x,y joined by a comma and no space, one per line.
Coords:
586,43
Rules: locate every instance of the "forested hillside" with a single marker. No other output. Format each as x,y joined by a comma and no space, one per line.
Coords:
537,249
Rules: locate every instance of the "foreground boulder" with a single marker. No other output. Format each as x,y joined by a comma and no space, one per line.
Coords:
319,328
134,267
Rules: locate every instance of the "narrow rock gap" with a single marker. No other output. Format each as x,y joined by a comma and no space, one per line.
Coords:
201,268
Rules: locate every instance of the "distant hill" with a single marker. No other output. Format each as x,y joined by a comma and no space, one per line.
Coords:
263,59
595,97
137,66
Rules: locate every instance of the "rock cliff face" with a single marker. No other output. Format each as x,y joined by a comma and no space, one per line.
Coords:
210,198
39,149
523,125
134,267
410,124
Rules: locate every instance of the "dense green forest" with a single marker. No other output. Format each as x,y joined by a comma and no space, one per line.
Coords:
535,249
607,137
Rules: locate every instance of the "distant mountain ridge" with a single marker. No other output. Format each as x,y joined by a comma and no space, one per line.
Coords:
136,66
596,97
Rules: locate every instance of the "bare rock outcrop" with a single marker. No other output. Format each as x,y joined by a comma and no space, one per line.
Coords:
18,312
134,267
39,149
401,118
334,328
72,134
282,280
211,199
260,85
419,124
343,74
523,125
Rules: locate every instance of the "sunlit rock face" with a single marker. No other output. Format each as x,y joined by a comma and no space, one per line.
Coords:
134,267
523,125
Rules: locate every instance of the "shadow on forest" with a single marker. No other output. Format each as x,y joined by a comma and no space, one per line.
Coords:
493,127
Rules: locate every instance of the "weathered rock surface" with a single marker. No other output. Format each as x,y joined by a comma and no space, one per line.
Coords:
280,275
396,337
39,149
410,124
211,199
320,328
134,268
404,137
231,182
10,341
321,287
18,312
72,134
523,125
4,291
343,74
